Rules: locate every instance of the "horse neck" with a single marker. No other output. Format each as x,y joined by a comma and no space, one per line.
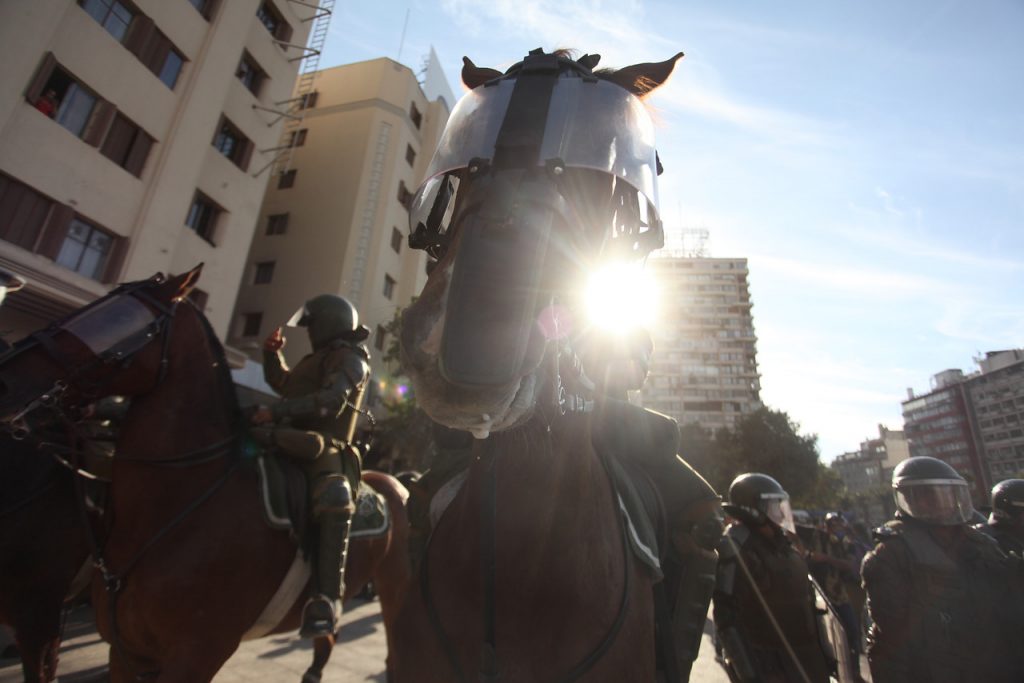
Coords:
189,407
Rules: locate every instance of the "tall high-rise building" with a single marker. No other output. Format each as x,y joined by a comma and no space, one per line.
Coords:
129,136
705,360
336,221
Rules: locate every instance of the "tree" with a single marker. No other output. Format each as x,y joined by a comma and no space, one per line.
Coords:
766,441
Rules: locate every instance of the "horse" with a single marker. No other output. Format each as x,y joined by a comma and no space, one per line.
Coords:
188,564
44,552
526,576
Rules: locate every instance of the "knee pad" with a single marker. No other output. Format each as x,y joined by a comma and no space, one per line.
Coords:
332,493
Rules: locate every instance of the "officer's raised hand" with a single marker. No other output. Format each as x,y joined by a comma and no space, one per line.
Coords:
275,342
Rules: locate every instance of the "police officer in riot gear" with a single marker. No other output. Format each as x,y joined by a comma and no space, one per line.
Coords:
764,602
314,424
943,599
1006,523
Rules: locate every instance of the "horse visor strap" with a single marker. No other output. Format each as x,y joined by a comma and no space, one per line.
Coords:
522,130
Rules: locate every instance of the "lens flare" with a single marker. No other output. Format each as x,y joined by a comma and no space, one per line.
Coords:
621,297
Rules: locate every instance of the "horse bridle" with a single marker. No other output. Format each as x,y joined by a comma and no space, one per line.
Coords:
120,353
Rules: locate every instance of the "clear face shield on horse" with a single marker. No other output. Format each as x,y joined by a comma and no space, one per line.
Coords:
541,174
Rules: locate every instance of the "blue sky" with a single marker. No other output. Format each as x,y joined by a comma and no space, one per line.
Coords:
866,157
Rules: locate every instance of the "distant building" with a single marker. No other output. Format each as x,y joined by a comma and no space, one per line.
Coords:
129,137
704,369
866,473
974,422
336,221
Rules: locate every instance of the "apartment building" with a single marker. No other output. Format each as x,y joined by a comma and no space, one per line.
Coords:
130,133
336,220
705,362
938,424
996,398
867,473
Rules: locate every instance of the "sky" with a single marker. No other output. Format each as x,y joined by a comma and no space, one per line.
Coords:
866,157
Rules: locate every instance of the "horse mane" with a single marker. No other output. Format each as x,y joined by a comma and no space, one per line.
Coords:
643,84
223,370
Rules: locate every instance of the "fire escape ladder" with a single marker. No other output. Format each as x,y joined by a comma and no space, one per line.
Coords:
293,110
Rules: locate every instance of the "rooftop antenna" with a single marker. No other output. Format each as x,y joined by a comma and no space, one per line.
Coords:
401,43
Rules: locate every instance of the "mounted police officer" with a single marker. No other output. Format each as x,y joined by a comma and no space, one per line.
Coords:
944,601
1006,523
314,423
764,611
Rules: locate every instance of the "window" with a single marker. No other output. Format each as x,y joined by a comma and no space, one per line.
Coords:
410,155
230,142
126,145
274,22
264,273
286,180
85,249
389,286
251,323
298,137
170,68
380,337
111,15
404,196
415,115
202,216
38,224
277,224
205,8
308,101
250,74
396,240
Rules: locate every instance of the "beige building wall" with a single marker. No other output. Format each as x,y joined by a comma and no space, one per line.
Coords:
344,212
704,368
54,179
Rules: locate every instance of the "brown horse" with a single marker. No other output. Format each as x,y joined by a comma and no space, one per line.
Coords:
188,564
527,576
43,549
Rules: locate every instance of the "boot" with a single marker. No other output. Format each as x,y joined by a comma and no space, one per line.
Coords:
321,613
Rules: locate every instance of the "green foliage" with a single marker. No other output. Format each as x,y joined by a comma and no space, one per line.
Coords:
766,441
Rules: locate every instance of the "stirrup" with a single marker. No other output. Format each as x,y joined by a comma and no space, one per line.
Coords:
320,617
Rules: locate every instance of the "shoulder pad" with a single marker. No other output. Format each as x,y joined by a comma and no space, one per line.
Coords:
884,533
738,534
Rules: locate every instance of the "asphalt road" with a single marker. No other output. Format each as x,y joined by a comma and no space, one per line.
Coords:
359,655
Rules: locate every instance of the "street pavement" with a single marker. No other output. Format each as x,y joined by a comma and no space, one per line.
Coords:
358,657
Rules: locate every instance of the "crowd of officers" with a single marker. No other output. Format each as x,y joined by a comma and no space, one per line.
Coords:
945,594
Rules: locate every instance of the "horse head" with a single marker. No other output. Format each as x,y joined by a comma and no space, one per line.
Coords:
106,348
542,174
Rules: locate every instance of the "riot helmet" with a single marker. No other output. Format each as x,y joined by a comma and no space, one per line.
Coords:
328,317
1008,501
930,490
757,499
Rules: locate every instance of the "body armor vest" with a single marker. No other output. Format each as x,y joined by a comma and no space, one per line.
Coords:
313,373
957,625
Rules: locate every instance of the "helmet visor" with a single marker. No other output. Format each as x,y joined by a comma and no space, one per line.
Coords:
936,501
300,318
776,508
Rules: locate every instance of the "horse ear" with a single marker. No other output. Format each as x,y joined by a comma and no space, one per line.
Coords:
179,286
473,75
589,61
641,79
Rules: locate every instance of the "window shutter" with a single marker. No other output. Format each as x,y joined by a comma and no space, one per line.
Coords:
112,272
284,31
38,82
155,53
99,123
55,230
138,34
136,160
246,155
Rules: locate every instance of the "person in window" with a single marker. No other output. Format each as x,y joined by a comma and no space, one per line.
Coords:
314,424
48,103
